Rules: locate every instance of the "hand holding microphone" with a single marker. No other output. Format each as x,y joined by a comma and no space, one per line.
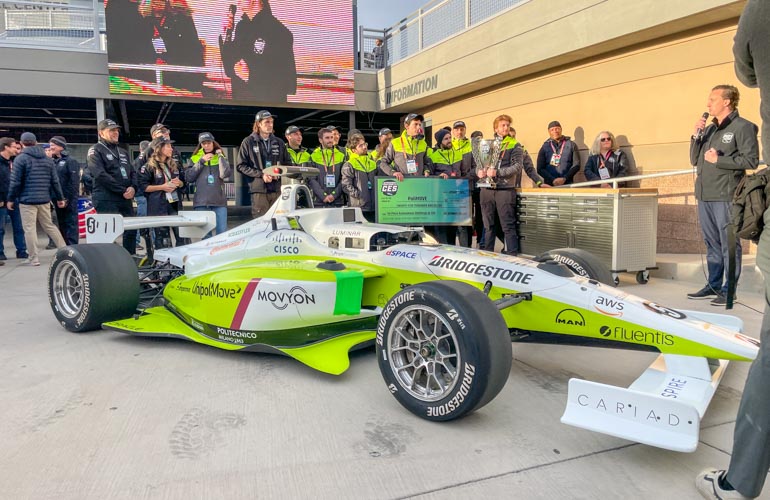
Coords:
700,126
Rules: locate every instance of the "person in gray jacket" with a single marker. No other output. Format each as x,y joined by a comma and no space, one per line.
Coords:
358,176
721,153
746,475
208,170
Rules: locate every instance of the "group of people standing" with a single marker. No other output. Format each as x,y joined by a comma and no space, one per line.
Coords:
347,173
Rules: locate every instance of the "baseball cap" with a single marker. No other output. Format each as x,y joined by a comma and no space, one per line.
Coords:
263,115
554,124
411,117
458,123
28,137
205,136
476,133
59,141
156,127
159,141
331,127
107,124
292,129
384,131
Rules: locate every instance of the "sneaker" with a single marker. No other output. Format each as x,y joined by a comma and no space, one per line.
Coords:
3,257
721,300
31,262
50,246
707,484
703,293
22,255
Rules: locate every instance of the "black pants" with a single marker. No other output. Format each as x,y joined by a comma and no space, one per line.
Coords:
503,203
67,219
261,203
449,235
124,208
478,220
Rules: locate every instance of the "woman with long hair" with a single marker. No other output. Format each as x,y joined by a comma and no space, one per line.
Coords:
607,161
160,182
208,171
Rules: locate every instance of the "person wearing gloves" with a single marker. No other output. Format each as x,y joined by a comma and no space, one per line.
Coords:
208,171
358,177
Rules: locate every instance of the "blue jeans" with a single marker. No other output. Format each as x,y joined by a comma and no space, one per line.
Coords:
221,213
18,230
714,217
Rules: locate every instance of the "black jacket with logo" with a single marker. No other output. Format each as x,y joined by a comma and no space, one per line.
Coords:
254,155
735,140
112,172
68,169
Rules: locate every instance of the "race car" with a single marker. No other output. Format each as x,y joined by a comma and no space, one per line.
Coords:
315,283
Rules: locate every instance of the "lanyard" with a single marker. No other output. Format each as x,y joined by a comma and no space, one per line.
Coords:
603,158
412,148
563,142
363,167
166,173
330,162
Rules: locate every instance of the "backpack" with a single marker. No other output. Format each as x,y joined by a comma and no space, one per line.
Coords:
749,204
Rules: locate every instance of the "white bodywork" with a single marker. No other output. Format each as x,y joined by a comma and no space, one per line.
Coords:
663,407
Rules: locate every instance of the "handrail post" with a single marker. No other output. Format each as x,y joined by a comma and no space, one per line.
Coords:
419,30
97,34
467,14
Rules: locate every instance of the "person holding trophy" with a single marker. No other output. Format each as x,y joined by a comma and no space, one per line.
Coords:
498,164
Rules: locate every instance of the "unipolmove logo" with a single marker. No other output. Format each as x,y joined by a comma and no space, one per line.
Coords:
389,188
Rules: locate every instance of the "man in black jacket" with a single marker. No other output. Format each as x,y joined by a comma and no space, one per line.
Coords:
68,170
33,179
721,152
558,159
258,153
114,179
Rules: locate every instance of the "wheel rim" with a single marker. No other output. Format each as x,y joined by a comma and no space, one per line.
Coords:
68,289
423,353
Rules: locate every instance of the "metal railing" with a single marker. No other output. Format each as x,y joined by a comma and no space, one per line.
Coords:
63,24
614,181
436,21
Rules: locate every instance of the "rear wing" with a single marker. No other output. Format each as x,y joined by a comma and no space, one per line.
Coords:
105,228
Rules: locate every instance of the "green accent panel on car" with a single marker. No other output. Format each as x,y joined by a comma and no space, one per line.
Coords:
350,287
330,356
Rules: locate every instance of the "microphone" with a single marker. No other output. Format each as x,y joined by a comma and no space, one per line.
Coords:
699,135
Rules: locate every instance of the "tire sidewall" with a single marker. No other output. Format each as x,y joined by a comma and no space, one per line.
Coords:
82,321
469,387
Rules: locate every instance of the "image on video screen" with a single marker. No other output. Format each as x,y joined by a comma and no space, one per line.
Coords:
270,51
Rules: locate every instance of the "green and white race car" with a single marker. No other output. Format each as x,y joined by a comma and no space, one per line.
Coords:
315,283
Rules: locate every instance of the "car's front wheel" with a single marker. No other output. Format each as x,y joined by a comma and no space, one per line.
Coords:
91,284
443,349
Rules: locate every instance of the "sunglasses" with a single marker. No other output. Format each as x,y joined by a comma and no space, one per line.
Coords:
605,139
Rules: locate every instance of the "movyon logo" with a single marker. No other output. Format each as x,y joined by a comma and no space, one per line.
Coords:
389,188
281,300
570,317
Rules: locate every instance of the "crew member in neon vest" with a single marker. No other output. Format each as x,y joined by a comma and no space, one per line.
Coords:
407,154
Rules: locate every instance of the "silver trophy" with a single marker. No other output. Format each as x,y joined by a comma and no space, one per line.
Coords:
486,155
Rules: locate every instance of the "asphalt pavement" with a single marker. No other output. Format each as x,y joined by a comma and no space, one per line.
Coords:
104,415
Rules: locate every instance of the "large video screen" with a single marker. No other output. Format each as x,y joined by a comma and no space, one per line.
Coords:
270,51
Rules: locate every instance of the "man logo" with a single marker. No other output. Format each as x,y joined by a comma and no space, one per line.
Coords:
389,188
605,331
570,317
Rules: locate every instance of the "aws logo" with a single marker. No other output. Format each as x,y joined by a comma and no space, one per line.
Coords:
570,317
609,307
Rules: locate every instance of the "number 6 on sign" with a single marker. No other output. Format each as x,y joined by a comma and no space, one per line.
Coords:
103,228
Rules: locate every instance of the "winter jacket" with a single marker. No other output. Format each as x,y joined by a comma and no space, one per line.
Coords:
568,164
158,202
329,164
616,164
509,165
111,171
359,181
34,178
209,179
735,140
68,170
5,180
403,149
257,154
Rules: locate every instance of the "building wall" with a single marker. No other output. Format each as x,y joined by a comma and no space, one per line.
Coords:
648,95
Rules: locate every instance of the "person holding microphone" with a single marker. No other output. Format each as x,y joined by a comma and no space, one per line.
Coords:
207,171
721,152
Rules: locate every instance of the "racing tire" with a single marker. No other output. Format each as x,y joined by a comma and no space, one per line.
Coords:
92,284
581,263
443,349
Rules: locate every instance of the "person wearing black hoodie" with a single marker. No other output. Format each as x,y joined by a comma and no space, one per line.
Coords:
68,170
33,179
750,460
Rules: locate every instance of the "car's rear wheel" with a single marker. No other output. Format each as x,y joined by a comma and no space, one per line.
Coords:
91,284
581,263
443,349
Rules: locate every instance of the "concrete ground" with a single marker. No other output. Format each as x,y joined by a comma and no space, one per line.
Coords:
103,415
